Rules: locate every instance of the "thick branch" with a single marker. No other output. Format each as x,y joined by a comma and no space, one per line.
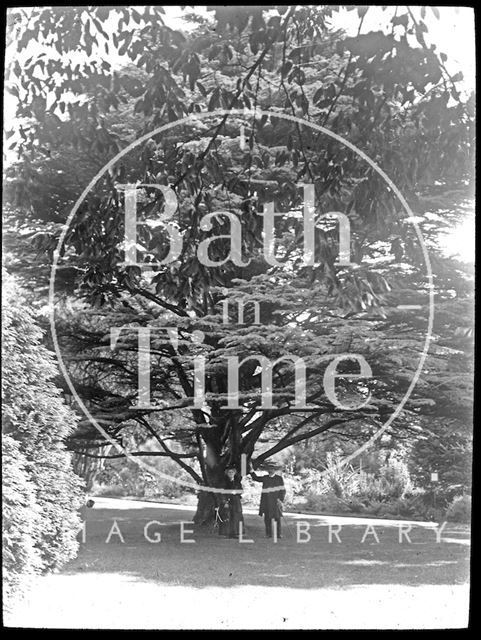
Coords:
303,436
174,456
137,453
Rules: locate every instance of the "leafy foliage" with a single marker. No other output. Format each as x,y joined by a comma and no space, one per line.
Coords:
125,477
42,492
21,557
460,510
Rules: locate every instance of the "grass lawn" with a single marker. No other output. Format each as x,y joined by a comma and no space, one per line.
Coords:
221,583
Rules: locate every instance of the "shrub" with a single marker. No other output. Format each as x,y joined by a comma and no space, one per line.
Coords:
391,482
415,505
21,558
309,480
460,510
395,479
126,478
59,497
170,487
384,491
37,420
369,488
108,490
341,480
356,505
376,507
324,503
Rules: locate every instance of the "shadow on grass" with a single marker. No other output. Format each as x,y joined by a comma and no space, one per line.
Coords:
316,563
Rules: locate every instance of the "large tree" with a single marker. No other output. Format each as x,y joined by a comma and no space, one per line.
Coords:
388,93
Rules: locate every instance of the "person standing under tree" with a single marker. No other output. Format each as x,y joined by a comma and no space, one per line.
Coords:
231,511
273,494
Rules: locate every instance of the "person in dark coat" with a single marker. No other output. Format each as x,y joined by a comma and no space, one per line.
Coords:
273,494
231,511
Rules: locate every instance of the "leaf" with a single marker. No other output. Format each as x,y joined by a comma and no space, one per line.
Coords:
254,43
139,106
318,95
214,101
286,67
402,20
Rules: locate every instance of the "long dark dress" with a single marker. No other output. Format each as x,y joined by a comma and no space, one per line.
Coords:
231,510
269,506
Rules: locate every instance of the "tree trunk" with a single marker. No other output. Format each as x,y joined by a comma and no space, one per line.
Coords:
222,451
206,505
224,510
207,502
